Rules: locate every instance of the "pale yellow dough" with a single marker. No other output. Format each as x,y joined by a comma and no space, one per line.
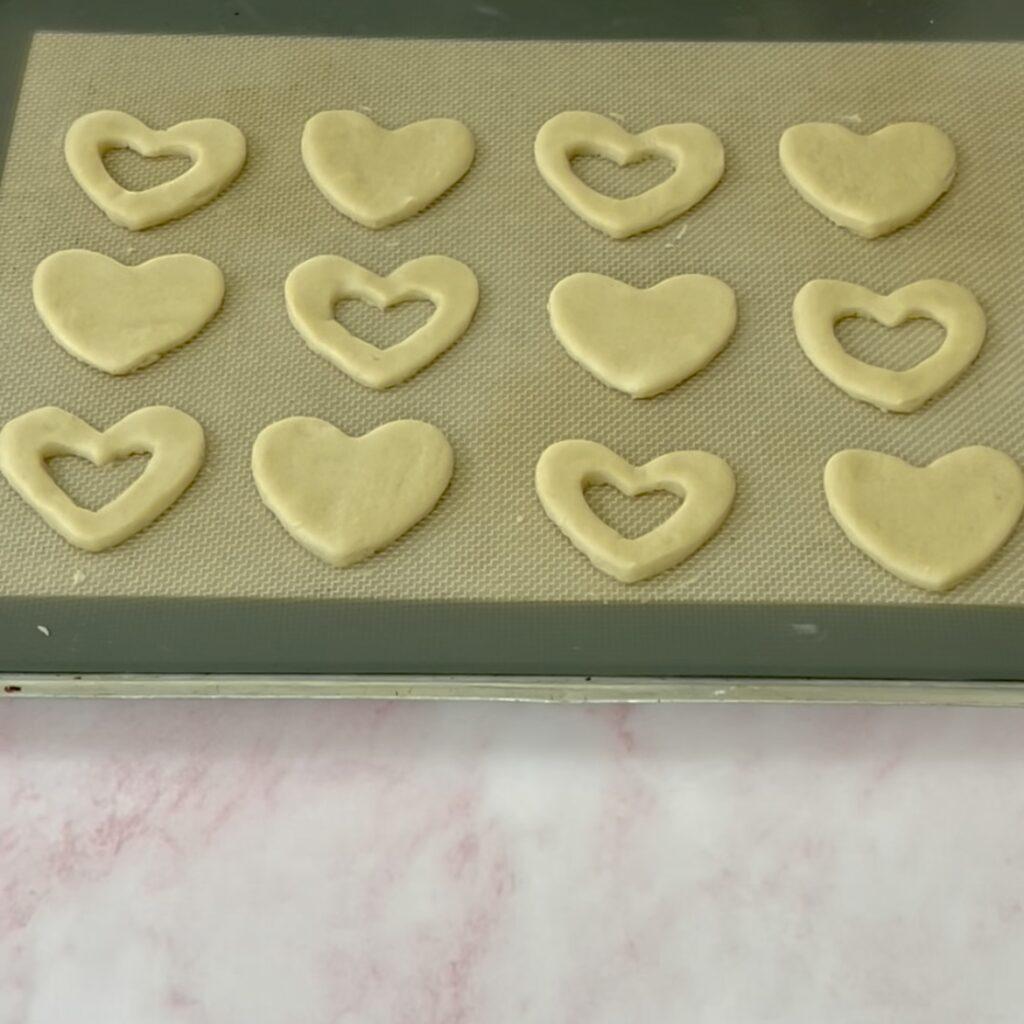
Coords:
642,341
216,148
820,304
930,526
341,497
173,439
315,287
695,151
870,184
704,482
380,177
118,318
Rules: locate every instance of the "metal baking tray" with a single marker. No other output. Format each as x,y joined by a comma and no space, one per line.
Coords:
523,616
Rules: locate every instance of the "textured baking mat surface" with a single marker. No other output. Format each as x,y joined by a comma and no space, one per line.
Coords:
506,390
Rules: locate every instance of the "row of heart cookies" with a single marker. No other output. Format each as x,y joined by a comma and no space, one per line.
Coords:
870,184
344,498
642,341
120,318
374,176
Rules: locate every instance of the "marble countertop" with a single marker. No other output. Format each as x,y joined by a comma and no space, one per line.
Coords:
385,863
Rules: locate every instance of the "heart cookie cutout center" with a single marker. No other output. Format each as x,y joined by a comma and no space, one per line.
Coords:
632,515
92,486
383,324
137,172
622,179
900,346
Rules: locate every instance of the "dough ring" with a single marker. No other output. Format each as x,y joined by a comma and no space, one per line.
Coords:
173,439
118,318
341,497
315,287
216,148
704,482
931,527
820,304
695,151
642,341
871,184
380,177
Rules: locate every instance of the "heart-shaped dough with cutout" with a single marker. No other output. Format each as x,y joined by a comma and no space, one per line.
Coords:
119,318
315,287
377,176
642,341
870,184
216,148
172,438
341,497
704,482
930,526
695,151
819,305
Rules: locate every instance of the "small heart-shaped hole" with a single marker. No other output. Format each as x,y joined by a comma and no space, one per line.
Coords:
891,348
137,173
90,486
383,327
621,182
631,517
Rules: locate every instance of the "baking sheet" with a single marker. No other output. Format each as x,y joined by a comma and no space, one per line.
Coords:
507,389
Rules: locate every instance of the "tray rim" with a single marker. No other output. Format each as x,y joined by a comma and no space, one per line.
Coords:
519,689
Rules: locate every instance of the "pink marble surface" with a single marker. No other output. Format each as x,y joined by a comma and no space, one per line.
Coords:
334,863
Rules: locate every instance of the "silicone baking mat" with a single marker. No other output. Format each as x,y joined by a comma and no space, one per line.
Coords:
506,390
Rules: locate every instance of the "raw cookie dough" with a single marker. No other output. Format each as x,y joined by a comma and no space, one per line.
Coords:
695,151
871,184
820,304
173,439
119,318
315,287
642,340
345,497
704,482
380,177
216,148
933,526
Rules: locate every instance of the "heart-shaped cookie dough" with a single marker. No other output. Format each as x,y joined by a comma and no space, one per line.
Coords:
315,287
820,304
345,497
930,526
380,177
704,482
695,151
120,318
216,148
642,340
172,438
871,184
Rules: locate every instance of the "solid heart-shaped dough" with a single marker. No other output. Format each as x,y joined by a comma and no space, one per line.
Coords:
345,497
820,304
930,526
642,340
695,151
172,438
216,148
380,177
704,482
871,184
120,318
315,287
